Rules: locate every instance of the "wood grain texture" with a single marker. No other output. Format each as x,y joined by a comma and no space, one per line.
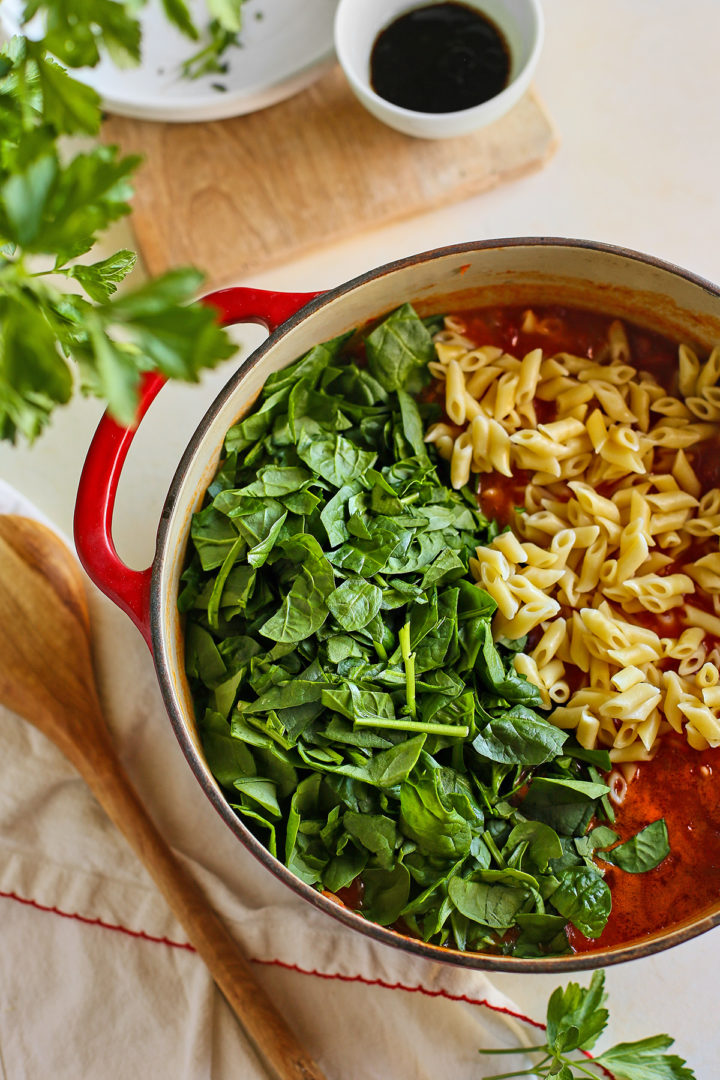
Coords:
46,676
237,196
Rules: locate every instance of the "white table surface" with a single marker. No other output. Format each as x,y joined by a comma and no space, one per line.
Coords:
633,87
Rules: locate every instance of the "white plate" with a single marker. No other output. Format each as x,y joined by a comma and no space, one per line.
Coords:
286,45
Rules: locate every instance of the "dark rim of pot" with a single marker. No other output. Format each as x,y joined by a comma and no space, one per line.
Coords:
476,961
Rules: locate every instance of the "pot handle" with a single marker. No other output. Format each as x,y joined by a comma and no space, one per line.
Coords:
95,502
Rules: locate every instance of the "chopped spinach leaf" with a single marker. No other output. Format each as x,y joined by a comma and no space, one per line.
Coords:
641,852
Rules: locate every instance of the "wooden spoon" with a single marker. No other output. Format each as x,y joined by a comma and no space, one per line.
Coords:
46,676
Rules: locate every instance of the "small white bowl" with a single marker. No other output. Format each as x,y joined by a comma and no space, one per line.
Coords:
358,23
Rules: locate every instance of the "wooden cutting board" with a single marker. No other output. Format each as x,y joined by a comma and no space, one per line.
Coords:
236,196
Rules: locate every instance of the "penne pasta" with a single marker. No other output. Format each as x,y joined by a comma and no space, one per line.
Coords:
616,527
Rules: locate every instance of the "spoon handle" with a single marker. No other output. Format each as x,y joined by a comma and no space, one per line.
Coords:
273,1040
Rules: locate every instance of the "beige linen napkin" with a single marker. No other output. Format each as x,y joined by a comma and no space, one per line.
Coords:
97,980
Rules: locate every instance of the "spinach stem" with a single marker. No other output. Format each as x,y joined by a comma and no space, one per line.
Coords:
413,725
213,611
409,661
380,650
520,784
493,848
410,684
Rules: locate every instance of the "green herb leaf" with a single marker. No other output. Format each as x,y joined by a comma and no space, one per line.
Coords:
24,196
431,821
385,894
645,1060
575,1018
583,898
177,13
96,24
34,377
376,832
641,852
494,906
304,608
575,1015
520,740
100,280
227,12
355,603
69,106
400,347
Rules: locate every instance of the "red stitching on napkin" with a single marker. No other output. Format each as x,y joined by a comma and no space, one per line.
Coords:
401,986
98,922
420,990
272,963
288,967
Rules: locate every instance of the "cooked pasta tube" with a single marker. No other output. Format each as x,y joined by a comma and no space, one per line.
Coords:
616,526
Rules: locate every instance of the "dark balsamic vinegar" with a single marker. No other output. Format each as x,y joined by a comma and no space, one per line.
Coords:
440,58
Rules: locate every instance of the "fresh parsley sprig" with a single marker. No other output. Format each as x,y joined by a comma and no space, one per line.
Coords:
52,210
576,1017
78,32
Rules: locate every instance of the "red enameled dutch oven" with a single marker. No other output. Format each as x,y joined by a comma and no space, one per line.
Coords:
598,277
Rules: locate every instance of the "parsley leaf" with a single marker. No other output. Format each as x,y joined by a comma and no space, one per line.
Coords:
34,377
578,1010
222,32
179,340
52,209
227,12
208,60
178,13
100,280
69,106
575,1018
96,24
645,1060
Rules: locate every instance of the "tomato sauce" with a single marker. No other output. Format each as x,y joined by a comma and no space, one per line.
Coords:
681,785
705,459
352,895
561,329
500,495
